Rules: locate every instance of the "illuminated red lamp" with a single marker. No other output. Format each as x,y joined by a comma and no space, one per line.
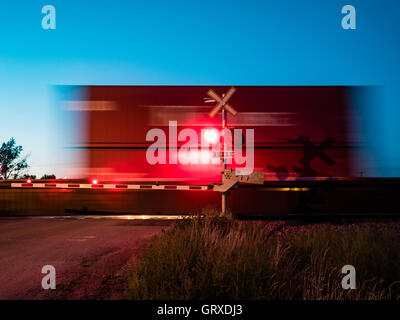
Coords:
94,181
211,136
28,181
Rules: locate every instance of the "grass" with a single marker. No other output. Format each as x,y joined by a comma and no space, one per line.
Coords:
217,258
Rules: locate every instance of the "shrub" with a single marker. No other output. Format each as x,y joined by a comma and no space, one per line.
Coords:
218,258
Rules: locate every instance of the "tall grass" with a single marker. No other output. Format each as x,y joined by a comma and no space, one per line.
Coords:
216,258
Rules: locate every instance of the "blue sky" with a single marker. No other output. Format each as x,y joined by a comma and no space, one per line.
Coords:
195,42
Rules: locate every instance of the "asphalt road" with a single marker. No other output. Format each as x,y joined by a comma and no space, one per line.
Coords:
90,256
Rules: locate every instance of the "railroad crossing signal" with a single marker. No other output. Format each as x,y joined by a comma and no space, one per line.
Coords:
223,105
230,177
222,102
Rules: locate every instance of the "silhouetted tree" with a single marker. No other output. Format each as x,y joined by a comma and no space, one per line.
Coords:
48,176
28,176
10,161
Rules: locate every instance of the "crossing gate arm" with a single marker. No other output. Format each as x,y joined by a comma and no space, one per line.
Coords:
111,186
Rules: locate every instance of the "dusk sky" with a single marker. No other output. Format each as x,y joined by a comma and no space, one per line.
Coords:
194,43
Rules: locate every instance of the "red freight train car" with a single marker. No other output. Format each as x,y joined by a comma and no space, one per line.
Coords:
299,132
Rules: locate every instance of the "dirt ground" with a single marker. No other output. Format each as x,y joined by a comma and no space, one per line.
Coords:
90,256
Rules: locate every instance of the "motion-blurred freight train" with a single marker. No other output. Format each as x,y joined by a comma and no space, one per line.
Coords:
299,132
305,141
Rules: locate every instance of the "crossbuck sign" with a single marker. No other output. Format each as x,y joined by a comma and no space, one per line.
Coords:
221,102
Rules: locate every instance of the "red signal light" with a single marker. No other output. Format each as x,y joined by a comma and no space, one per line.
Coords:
211,136
94,181
28,181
